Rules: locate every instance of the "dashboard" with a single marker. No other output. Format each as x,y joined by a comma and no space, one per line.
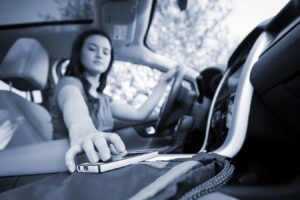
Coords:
221,118
264,66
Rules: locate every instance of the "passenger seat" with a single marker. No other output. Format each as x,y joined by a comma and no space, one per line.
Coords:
25,67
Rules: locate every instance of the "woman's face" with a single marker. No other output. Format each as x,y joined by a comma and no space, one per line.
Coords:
95,54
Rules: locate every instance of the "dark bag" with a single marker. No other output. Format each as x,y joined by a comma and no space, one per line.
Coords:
188,178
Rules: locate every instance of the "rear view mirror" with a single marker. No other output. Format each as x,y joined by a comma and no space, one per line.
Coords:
182,4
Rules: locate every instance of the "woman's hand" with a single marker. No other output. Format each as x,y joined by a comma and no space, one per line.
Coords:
167,77
105,143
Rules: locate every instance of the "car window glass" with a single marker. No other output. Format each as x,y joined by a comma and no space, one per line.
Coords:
206,32
132,83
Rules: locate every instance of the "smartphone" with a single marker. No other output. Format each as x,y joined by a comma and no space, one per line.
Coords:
116,162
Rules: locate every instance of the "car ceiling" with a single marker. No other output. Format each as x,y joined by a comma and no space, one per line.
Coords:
126,21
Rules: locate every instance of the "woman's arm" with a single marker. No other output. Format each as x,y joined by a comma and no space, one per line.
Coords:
75,112
82,132
127,112
39,158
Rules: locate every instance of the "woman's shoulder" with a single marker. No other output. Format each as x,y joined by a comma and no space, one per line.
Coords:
68,81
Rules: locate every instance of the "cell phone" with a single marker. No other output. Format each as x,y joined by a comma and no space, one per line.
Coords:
116,162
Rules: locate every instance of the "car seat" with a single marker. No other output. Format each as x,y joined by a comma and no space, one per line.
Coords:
25,67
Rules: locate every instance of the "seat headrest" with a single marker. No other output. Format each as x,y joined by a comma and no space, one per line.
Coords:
25,65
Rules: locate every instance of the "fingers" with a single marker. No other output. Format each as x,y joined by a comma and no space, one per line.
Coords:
173,72
90,151
169,75
119,156
102,147
70,155
88,144
116,141
113,149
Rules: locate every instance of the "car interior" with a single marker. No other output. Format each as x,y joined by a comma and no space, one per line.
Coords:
247,112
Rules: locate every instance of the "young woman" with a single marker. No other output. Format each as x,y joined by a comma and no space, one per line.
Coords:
83,111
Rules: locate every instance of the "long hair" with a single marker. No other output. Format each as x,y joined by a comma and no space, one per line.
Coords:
76,68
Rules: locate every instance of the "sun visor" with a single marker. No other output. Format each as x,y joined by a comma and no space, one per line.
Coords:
119,21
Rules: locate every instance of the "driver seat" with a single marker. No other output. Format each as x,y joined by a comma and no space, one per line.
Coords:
25,67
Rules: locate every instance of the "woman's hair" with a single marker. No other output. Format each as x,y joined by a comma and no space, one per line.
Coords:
76,68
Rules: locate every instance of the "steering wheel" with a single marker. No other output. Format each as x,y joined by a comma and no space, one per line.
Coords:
166,108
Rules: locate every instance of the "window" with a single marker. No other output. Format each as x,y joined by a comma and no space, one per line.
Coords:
195,37
207,32
132,83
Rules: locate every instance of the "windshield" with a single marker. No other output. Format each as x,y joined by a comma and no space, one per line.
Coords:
36,11
207,32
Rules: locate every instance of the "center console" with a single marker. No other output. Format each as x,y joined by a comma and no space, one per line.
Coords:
228,116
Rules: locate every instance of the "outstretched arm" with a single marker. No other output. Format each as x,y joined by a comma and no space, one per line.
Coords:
82,132
127,112
39,158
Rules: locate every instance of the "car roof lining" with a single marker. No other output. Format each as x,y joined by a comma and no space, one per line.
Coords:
137,13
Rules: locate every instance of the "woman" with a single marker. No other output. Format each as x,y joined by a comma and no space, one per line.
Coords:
82,110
